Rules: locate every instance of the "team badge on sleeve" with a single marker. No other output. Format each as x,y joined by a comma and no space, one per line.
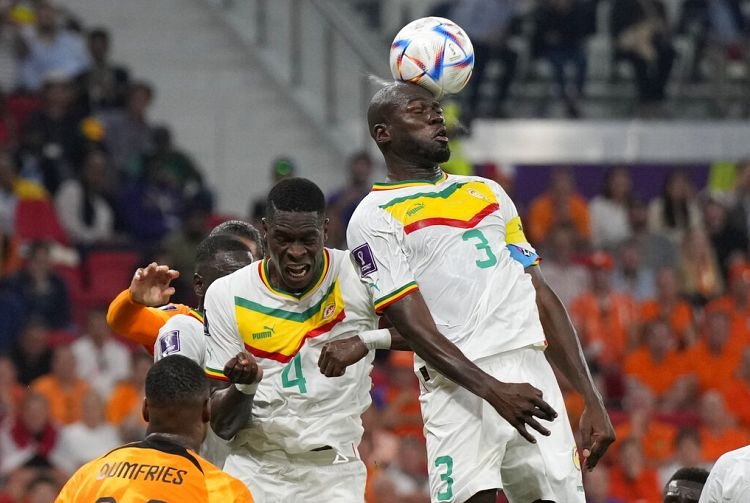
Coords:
364,259
170,343
522,255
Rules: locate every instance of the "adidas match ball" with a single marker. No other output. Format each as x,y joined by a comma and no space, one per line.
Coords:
434,53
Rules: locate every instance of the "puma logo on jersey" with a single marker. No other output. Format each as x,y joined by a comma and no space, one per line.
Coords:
265,334
415,209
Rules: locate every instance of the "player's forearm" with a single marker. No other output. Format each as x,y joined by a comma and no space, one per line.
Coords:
564,349
136,322
413,321
230,410
398,342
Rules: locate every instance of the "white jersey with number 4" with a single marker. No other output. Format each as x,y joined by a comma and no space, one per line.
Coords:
459,241
296,409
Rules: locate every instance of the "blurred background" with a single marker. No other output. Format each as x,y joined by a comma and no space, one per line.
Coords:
620,128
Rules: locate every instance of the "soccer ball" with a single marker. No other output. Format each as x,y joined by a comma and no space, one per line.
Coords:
433,52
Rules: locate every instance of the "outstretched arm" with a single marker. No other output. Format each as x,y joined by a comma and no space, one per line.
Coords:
565,353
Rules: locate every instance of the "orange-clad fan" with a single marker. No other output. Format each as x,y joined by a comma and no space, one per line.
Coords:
737,303
62,388
631,479
715,358
719,433
668,305
558,206
736,391
656,437
656,364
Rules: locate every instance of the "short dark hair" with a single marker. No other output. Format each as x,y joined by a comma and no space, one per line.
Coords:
693,479
239,229
209,247
295,194
175,380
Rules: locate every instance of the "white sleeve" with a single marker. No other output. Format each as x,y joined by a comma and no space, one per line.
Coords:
223,340
515,239
713,490
181,335
377,247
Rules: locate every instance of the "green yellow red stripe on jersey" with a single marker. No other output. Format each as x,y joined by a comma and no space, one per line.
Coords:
409,183
383,302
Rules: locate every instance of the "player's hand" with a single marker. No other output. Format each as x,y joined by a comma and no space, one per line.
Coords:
520,404
337,355
243,369
596,434
151,285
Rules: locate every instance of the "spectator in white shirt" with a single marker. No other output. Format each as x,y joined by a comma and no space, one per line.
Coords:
87,439
609,210
101,360
729,480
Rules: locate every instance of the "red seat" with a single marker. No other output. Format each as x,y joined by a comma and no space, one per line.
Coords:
215,219
60,338
36,220
108,273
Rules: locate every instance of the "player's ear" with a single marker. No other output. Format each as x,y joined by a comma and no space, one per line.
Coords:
381,134
198,285
144,410
206,413
264,221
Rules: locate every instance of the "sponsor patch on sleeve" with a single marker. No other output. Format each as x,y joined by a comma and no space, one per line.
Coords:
169,343
364,259
522,255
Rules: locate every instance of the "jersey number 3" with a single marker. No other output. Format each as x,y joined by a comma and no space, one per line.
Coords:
298,380
482,245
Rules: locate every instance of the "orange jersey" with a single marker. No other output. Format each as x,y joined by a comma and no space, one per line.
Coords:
140,323
644,489
65,403
679,316
713,371
737,397
659,377
152,470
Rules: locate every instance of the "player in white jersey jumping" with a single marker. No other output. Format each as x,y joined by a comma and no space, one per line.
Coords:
447,255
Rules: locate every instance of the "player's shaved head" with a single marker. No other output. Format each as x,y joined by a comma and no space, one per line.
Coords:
387,99
244,231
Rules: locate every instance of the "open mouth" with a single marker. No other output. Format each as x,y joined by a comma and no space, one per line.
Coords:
441,136
297,271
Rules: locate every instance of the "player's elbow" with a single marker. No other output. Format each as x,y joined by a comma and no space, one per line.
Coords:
224,429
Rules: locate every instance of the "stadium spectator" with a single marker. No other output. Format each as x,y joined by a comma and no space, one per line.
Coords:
737,301
668,305
657,250
643,424
736,391
41,290
727,240
719,433
14,188
562,27
342,203
11,391
488,24
605,319
630,479
609,210
740,211
31,352
82,206
699,271
685,486
559,205
281,167
101,360
30,438
631,276
127,132
729,480
569,278
656,364
105,84
180,246
124,406
641,38
86,439
402,413
62,387
715,357
596,484
52,134
50,48
42,489
676,210
687,453
409,472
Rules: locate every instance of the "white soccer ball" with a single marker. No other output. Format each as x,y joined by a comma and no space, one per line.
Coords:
433,52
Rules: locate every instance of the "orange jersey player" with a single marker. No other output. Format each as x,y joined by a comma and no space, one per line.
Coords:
165,466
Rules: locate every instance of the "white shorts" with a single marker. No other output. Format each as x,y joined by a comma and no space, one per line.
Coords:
276,477
471,448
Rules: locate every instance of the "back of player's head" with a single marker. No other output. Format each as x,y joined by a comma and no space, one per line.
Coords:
215,244
240,229
296,195
176,382
685,486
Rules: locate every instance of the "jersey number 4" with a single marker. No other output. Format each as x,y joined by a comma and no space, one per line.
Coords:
482,245
298,380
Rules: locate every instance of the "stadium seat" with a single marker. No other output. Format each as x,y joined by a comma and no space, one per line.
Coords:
36,220
61,338
215,219
107,273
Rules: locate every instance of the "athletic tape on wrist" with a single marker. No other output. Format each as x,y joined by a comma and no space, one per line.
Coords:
376,339
248,389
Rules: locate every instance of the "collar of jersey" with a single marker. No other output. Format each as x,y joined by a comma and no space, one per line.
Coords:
409,183
263,271
199,314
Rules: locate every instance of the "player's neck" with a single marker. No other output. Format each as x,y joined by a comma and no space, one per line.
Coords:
186,441
408,171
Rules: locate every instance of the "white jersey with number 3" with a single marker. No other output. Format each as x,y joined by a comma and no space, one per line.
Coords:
459,241
296,408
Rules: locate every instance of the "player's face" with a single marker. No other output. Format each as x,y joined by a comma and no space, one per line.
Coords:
295,246
224,263
417,127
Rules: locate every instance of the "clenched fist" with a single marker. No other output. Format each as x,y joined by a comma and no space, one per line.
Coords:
243,369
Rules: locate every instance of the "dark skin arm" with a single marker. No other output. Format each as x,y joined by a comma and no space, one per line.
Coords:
231,408
565,353
337,355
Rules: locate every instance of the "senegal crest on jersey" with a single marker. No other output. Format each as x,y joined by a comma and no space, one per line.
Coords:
278,334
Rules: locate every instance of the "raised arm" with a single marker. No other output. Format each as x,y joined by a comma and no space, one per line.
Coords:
565,353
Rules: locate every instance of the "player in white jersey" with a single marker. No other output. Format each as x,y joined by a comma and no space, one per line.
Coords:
447,255
729,479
